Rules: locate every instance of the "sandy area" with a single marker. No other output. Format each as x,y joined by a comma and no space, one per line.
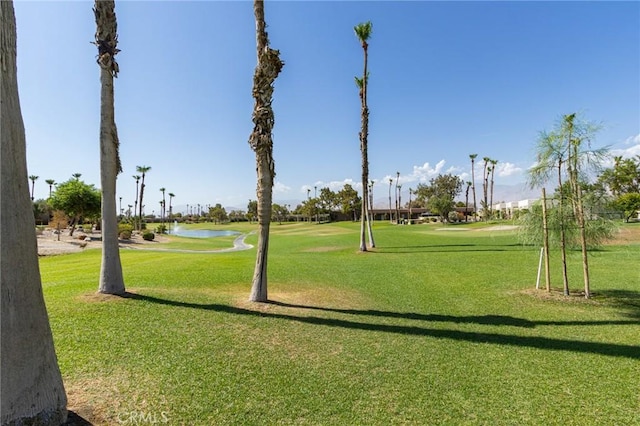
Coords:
48,243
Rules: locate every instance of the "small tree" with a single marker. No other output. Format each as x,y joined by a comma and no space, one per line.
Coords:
77,200
628,203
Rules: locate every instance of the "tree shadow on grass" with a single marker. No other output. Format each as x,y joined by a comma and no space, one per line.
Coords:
608,349
499,320
627,300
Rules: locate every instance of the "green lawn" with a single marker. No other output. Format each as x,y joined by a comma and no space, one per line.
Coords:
437,325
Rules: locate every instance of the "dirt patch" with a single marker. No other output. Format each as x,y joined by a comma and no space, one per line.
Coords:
305,300
556,294
629,234
322,249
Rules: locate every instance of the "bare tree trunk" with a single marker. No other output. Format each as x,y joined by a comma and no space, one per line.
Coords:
267,70
473,186
583,242
32,388
563,238
111,279
545,241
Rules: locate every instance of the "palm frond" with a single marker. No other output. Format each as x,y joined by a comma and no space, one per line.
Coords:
363,31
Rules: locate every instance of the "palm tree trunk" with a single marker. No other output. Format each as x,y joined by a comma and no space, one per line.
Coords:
267,69
493,171
32,388
142,185
473,187
111,279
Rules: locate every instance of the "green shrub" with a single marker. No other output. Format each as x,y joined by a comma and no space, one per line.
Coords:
148,236
161,229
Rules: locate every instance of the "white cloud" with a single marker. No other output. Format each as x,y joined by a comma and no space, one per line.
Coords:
280,188
508,169
633,140
631,150
335,186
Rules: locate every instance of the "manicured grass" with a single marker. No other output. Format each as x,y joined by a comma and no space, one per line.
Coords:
433,326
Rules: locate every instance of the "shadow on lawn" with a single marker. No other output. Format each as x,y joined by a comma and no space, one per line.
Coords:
627,300
609,349
446,248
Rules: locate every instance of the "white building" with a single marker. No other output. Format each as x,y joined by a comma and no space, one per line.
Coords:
507,209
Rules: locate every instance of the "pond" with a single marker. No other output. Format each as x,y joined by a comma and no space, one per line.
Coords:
202,233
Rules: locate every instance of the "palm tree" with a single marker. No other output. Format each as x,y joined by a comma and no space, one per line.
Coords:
485,188
32,387
111,279
171,195
493,172
135,208
473,181
396,195
163,210
143,171
50,182
33,179
399,199
371,183
267,69
363,32
390,183
466,202
77,175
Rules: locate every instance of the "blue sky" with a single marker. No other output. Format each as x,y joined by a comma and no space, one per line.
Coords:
448,79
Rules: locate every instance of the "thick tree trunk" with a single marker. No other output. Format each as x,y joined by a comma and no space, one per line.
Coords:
264,192
32,388
111,280
267,69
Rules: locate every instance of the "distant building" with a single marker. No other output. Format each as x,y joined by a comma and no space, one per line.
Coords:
507,209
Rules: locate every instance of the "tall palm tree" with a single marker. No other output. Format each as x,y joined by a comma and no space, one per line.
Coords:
111,279
33,179
473,181
371,183
363,32
485,188
135,203
466,202
396,195
32,387
143,171
390,183
399,199
493,172
163,209
50,182
171,195
267,69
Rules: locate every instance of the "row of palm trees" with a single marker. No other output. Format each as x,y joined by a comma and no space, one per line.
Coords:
488,172
50,182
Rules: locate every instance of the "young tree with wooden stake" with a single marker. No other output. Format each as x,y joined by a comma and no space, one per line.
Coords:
32,388
261,141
